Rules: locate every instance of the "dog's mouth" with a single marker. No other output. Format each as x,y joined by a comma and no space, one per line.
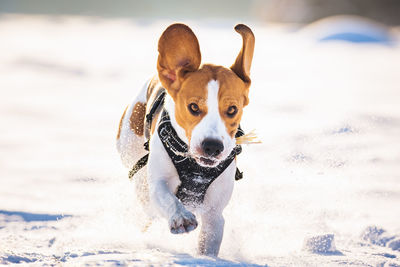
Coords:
201,160
205,160
208,162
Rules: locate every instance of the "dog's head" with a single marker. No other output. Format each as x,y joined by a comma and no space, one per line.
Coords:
209,100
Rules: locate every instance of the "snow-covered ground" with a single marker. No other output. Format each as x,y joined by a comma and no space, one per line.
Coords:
329,165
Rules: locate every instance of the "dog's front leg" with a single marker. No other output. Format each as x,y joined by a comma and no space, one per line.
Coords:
180,220
212,230
163,181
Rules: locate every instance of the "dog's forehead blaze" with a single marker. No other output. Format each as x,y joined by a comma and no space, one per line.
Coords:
232,91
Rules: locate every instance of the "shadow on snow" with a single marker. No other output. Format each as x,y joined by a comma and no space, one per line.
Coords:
33,217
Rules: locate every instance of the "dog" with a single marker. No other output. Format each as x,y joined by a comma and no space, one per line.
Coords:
188,117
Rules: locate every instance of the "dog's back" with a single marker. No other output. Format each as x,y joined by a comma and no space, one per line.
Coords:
133,131
130,136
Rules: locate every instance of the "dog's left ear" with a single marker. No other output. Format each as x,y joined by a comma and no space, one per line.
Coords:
179,53
243,61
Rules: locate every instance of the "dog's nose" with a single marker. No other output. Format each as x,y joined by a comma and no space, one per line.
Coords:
212,147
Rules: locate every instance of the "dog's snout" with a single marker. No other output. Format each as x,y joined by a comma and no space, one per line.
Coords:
212,147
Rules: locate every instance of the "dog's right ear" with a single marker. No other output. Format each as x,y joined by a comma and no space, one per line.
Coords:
179,53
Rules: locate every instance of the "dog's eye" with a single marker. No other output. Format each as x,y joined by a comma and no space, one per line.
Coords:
194,109
231,112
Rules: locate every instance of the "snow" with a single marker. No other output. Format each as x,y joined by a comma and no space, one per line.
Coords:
328,115
322,244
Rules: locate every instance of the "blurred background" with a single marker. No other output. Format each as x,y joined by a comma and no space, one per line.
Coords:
325,101
288,11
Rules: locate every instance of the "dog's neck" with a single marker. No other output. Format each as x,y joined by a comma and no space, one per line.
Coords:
170,108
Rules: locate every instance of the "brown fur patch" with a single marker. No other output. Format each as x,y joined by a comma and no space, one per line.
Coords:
137,118
233,91
120,123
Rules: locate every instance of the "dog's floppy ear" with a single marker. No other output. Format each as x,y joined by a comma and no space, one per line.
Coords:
179,53
243,61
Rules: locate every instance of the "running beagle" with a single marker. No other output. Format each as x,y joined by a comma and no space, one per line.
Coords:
189,118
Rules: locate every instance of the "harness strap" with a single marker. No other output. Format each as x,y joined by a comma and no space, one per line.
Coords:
156,105
239,174
140,164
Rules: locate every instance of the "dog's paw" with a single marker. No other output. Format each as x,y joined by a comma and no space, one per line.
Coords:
182,221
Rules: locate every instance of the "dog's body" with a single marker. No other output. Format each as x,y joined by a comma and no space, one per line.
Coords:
204,105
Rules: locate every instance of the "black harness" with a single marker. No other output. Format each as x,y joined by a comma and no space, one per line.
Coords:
195,179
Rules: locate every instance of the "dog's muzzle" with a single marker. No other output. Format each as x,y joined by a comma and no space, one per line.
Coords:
211,150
